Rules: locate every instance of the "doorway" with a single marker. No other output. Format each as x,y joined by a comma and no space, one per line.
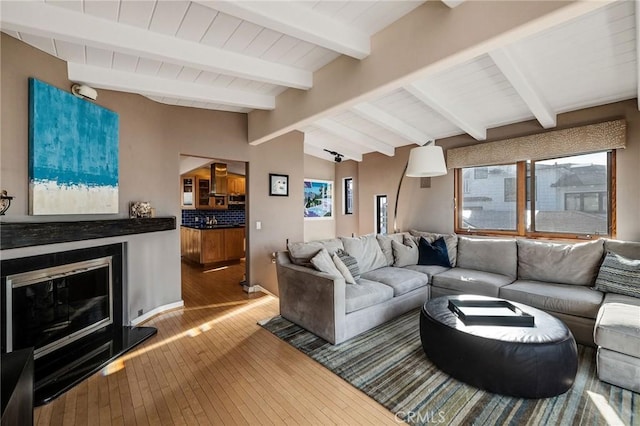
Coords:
213,195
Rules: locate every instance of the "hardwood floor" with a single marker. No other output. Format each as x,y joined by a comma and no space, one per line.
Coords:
211,364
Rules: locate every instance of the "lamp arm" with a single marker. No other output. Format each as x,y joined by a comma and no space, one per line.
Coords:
395,210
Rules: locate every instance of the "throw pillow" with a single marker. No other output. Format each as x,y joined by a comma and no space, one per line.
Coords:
348,278
351,263
619,274
450,239
404,254
323,263
433,254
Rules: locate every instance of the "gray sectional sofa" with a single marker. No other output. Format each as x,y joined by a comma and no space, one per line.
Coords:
556,277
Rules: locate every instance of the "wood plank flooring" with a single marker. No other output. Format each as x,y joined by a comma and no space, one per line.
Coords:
211,364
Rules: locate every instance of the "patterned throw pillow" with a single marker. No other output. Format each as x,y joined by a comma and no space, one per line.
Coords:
351,263
619,274
348,278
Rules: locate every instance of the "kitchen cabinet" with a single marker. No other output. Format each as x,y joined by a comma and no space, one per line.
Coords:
187,192
236,184
234,243
204,201
212,245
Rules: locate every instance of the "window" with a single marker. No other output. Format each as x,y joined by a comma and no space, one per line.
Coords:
572,197
348,196
381,214
490,202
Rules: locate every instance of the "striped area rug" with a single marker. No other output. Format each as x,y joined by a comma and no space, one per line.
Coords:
389,365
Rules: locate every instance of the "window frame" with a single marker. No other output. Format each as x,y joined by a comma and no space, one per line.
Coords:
521,204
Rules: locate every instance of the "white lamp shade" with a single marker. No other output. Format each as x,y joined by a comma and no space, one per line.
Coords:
426,161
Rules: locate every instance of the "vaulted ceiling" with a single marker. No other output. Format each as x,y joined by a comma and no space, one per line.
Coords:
241,55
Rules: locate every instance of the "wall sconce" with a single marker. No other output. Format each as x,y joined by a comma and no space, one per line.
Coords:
5,202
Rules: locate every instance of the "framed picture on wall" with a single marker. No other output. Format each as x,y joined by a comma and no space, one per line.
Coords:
318,199
278,185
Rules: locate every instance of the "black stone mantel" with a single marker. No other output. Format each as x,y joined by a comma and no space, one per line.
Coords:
27,234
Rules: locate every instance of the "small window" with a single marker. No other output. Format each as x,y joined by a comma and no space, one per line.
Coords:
381,214
480,173
348,196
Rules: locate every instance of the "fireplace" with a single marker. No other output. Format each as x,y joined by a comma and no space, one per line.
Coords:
52,307
68,306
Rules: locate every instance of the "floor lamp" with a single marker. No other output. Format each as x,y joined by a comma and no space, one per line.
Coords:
424,161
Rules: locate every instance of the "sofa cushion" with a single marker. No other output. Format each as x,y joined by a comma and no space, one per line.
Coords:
323,262
428,270
561,263
301,252
471,281
342,268
433,254
401,280
499,256
623,248
350,262
405,253
450,239
562,298
366,293
619,274
385,245
618,328
619,298
366,251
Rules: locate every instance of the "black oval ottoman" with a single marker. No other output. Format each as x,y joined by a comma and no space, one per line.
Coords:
525,362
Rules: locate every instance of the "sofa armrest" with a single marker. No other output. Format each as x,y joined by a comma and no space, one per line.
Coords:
314,300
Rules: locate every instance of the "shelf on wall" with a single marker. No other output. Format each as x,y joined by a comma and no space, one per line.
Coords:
27,234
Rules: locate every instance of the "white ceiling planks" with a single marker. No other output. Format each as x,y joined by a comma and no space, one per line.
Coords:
238,56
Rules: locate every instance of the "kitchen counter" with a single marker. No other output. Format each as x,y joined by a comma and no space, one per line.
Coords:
212,244
219,226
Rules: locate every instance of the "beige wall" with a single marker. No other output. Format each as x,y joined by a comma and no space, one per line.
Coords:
317,168
432,208
346,224
152,137
280,217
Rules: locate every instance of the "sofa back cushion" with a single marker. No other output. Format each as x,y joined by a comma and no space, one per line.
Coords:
562,263
301,253
405,254
627,249
499,256
366,251
385,245
451,241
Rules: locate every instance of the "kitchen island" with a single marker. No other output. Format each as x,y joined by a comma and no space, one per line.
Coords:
205,244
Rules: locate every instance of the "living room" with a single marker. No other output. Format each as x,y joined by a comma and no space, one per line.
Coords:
153,135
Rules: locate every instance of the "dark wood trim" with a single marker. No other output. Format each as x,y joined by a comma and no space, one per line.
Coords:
613,195
27,234
457,198
521,200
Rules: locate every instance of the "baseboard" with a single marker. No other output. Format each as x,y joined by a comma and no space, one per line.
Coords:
252,288
160,309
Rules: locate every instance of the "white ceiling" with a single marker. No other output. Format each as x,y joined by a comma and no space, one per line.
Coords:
239,55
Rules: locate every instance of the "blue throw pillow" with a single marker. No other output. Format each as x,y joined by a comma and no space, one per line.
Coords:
433,254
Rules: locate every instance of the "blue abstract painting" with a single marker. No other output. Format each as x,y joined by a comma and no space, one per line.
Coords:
73,154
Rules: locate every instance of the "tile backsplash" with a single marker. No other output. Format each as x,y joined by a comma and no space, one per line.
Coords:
232,216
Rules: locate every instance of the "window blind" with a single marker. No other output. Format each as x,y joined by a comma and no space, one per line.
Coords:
557,143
